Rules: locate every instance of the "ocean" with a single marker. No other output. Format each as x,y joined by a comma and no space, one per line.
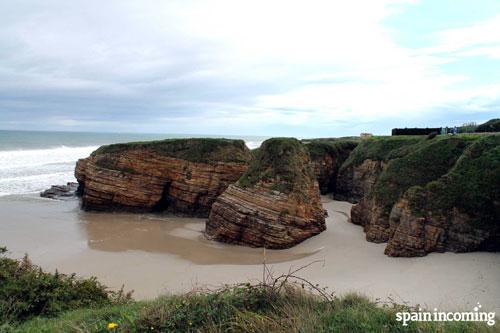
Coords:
32,161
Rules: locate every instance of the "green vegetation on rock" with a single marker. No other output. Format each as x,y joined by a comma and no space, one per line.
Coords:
282,162
201,150
340,148
382,148
492,125
328,155
419,164
472,186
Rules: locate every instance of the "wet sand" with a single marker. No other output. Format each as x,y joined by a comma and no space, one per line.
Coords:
156,254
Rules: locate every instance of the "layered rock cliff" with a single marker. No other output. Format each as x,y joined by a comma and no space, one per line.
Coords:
275,204
327,156
360,171
459,212
387,211
427,161
177,175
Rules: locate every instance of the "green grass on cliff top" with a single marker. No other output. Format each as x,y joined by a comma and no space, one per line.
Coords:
472,185
282,161
339,148
421,163
380,148
492,125
201,150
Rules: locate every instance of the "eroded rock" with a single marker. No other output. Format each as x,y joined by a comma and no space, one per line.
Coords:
275,204
354,182
428,161
182,176
459,212
327,156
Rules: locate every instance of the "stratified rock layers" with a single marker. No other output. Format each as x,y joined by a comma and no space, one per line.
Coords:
327,156
459,212
181,176
354,182
276,203
427,161
439,194
360,171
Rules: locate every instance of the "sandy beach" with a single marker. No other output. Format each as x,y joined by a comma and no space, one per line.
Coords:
158,254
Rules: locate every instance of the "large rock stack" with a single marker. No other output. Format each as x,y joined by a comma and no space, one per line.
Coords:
275,204
178,175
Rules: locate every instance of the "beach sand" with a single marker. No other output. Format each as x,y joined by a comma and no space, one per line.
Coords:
158,254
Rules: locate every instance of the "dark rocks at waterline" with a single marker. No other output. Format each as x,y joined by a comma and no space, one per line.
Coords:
61,192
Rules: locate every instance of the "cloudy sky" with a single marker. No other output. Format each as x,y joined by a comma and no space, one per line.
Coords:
260,67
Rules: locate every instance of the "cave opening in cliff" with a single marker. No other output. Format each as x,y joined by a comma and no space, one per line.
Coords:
163,203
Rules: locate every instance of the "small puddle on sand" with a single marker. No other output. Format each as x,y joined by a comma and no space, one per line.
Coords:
180,236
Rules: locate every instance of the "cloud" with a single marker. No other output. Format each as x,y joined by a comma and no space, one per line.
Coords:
482,33
229,67
490,51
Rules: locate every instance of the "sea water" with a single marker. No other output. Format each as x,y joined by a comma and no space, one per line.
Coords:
32,161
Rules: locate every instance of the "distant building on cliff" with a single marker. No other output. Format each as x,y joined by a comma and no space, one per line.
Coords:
365,135
416,131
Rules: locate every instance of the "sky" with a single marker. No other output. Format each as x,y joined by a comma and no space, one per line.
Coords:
316,68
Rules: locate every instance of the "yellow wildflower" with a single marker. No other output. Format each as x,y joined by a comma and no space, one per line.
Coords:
112,326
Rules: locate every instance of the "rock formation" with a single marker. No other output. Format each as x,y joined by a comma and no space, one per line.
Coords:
275,204
60,192
360,171
459,212
418,194
404,208
327,155
177,175
428,160
354,182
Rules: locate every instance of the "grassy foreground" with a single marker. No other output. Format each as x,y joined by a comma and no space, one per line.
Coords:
243,309
83,305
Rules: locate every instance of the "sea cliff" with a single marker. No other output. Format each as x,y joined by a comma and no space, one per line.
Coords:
458,212
181,176
430,194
